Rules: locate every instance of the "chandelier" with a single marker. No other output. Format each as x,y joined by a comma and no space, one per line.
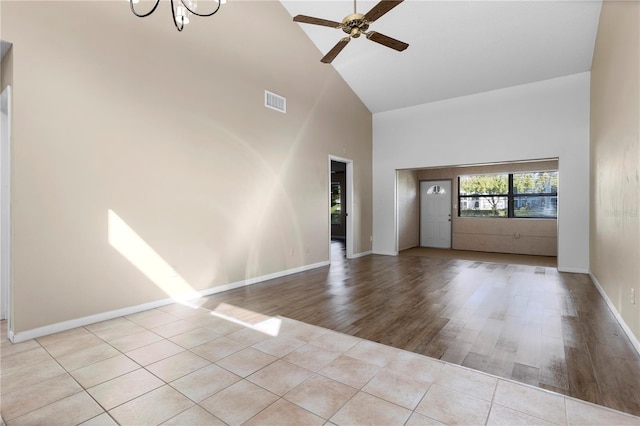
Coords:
180,11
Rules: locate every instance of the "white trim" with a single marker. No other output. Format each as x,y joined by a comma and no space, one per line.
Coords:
396,224
350,211
386,253
349,206
363,254
634,340
6,310
104,316
573,270
79,322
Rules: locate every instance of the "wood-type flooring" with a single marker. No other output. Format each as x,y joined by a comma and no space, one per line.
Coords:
528,323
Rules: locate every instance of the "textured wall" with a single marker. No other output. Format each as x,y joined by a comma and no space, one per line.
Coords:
615,158
145,162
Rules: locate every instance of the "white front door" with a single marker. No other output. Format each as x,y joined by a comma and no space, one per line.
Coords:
435,213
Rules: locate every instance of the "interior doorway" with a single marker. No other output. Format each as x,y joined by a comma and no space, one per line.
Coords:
435,213
340,202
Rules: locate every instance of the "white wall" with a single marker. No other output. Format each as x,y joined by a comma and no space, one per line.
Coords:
539,120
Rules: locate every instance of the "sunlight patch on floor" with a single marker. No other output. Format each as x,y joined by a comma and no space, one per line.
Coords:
250,319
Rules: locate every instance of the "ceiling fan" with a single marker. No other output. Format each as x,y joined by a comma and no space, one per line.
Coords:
355,25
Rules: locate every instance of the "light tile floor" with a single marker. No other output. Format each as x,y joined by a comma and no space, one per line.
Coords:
178,365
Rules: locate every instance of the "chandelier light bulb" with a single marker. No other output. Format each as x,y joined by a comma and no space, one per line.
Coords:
180,10
181,16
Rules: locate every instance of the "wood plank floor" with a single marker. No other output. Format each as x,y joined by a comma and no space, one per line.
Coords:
524,322
519,259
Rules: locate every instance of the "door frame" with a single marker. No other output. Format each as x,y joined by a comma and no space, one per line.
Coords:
450,210
6,306
348,181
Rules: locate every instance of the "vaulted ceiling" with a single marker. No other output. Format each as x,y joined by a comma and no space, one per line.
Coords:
456,48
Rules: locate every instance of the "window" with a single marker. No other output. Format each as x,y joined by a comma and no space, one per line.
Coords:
483,195
514,195
535,194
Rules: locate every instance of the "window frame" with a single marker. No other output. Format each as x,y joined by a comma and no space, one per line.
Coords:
510,196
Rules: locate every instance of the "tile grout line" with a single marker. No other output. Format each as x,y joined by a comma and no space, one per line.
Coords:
85,390
65,372
492,401
169,384
165,383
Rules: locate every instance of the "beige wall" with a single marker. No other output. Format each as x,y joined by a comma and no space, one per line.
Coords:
408,196
144,161
615,158
520,236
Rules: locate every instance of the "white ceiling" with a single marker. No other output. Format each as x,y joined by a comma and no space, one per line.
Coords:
456,48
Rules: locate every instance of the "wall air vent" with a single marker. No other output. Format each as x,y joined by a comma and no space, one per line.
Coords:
273,101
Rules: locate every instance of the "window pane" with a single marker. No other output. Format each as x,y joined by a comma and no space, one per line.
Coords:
535,183
535,206
486,206
484,184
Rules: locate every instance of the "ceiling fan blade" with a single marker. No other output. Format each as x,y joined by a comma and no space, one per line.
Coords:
387,41
336,49
380,9
316,21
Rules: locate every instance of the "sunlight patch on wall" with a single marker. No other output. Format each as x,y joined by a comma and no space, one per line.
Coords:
141,255
254,320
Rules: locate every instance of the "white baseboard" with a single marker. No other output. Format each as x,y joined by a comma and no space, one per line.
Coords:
573,270
104,316
386,253
634,340
80,322
363,254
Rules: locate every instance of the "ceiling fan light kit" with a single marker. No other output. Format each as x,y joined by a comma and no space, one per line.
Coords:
355,25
